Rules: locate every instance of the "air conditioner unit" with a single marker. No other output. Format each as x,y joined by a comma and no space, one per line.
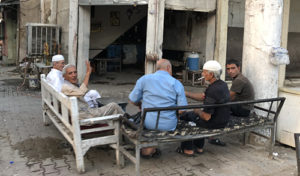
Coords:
42,39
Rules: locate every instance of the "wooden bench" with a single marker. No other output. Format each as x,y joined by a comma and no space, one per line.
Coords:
63,112
140,137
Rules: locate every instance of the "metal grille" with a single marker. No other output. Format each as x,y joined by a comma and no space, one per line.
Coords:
42,39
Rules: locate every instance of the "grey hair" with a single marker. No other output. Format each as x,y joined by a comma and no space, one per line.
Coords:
217,74
64,70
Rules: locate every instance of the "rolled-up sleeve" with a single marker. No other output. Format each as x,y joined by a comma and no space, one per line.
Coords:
136,94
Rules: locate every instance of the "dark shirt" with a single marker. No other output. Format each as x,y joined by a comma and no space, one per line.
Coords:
217,93
243,89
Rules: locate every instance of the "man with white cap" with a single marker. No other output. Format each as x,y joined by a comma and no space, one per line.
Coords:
212,118
55,77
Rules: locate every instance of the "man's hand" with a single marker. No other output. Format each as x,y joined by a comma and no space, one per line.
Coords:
202,96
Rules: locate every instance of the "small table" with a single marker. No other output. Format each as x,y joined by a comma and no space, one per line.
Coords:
102,64
43,68
197,73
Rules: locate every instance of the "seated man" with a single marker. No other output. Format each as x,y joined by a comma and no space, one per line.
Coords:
71,88
55,77
159,89
240,90
216,93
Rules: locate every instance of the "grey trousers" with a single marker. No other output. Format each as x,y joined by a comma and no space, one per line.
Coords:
109,109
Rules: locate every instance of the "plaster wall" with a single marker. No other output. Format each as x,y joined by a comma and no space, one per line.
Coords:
185,31
63,22
30,12
106,27
236,30
10,49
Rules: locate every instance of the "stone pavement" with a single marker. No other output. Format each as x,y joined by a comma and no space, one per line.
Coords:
27,147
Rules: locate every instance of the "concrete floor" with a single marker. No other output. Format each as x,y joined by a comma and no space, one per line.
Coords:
27,147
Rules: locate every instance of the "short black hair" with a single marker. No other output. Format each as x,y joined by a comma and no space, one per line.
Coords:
233,61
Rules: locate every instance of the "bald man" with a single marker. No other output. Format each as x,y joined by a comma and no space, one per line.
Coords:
159,89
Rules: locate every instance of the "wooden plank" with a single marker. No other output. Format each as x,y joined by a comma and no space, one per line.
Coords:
284,38
192,5
110,2
73,25
60,128
96,120
99,129
221,34
83,40
155,29
60,96
99,141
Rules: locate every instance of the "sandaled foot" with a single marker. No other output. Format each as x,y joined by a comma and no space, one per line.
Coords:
199,151
217,142
183,152
156,154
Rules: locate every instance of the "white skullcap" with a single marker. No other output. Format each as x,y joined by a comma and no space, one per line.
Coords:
58,57
212,65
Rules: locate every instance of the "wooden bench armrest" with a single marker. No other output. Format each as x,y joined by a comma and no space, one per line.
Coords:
95,120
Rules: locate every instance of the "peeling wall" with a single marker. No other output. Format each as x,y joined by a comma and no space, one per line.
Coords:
63,22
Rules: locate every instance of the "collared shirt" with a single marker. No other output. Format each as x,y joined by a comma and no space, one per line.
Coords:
70,89
159,89
55,78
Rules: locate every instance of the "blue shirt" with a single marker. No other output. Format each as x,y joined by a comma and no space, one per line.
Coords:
159,89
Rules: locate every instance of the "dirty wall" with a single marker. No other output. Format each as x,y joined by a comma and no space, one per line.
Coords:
236,32
29,13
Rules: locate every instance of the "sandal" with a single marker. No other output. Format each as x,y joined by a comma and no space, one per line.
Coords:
217,142
156,154
181,151
199,153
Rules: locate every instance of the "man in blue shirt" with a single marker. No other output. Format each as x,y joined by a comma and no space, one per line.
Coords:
159,89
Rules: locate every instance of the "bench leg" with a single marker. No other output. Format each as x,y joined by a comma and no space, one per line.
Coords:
272,140
137,159
119,155
80,163
45,118
246,138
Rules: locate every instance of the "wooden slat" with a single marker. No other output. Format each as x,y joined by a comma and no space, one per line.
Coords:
96,120
98,129
110,2
99,141
60,127
192,5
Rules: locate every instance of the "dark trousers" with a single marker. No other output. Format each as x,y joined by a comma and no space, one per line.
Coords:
238,110
199,143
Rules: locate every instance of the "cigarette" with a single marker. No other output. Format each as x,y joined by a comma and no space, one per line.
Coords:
199,79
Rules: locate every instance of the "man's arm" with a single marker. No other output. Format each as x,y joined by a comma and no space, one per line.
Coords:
195,96
139,104
232,95
88,73
203,115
